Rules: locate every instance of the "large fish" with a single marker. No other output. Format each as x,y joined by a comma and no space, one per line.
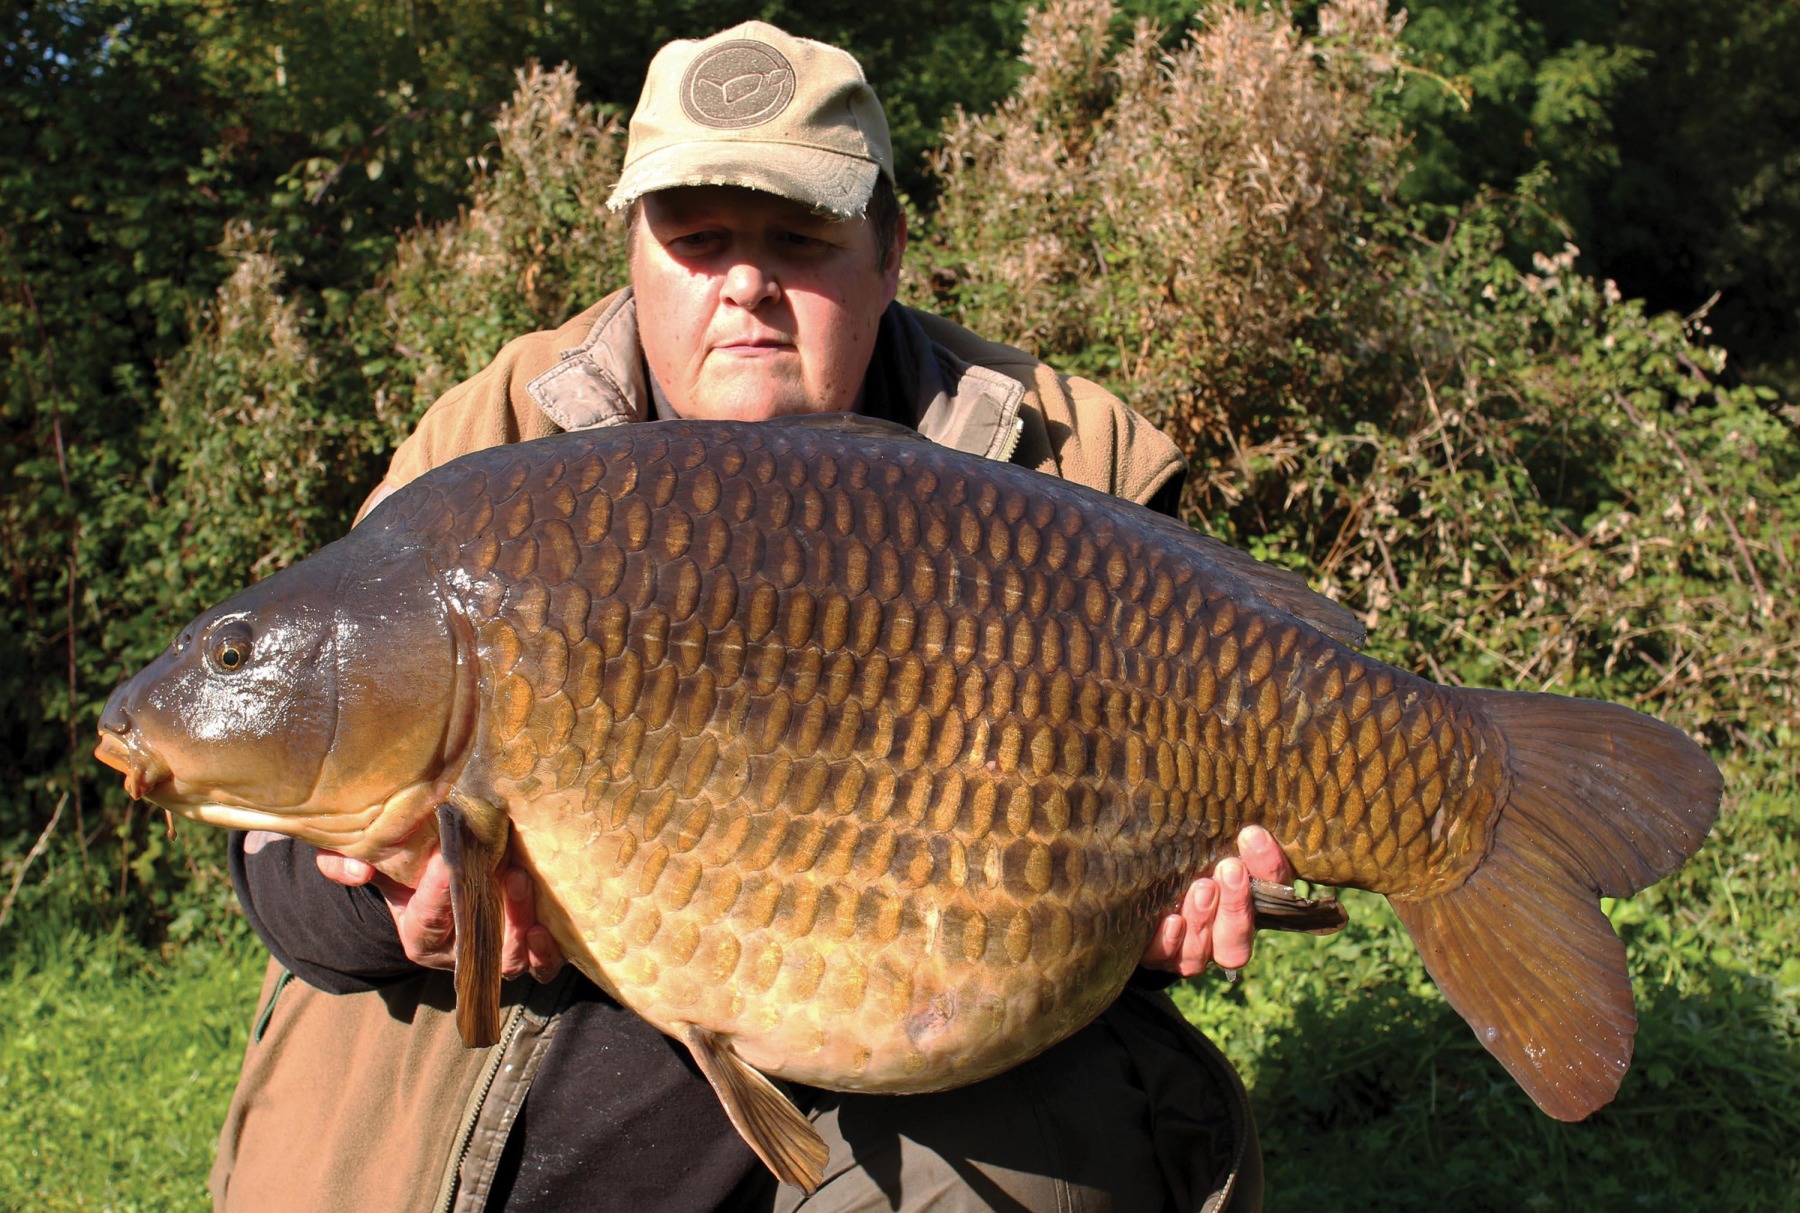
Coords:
848,759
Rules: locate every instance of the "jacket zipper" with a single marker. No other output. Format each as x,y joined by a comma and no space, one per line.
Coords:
1010,444
452,1183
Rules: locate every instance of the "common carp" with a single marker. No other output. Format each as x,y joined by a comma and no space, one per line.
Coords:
848,759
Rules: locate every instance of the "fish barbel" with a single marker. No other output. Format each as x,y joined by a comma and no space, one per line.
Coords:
849,759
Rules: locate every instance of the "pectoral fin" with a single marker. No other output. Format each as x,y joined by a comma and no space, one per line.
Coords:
472,856
767,1119
1279,908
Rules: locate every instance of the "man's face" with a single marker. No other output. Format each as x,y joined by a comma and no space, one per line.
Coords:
751,306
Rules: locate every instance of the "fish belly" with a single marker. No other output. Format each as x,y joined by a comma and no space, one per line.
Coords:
827,972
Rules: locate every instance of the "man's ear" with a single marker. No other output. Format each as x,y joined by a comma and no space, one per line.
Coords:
890,273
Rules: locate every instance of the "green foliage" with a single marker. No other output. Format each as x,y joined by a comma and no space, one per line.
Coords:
135,132
1666,131
1564,498
92,164
1507,86
535,246
1707,198
238,451
266,433
1520,478
1187,226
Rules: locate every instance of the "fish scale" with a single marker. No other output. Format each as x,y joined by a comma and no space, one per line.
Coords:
1011,628
849,759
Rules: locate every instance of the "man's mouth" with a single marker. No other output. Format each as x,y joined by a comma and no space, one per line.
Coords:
754,345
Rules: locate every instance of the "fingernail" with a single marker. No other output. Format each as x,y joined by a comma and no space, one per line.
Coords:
1231,875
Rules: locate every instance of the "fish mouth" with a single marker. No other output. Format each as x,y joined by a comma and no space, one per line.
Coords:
144,772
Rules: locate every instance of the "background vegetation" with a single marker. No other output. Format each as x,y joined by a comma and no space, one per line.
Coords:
1424,299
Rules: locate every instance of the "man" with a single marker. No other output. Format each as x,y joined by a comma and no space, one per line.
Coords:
765,250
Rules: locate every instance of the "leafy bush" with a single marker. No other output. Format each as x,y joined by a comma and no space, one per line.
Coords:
1666,132
535,246
269,429
1187,226
1518,478
1564,497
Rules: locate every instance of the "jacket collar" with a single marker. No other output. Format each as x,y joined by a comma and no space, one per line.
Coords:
955,403
602,380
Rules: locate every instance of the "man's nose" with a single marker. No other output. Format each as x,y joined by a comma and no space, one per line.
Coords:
749,284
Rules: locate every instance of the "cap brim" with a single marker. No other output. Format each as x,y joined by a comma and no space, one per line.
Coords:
831,181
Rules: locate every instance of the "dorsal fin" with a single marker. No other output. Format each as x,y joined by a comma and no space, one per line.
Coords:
1288,591
1280,588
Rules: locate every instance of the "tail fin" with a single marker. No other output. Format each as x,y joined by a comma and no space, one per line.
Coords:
1603,802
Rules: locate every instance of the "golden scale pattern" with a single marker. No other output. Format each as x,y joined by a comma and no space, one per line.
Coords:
814,747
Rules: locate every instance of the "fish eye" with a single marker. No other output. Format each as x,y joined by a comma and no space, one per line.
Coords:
229,650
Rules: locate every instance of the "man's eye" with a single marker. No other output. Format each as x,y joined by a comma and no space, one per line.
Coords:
692,243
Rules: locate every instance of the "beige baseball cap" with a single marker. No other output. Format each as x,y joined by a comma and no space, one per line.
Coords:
755,106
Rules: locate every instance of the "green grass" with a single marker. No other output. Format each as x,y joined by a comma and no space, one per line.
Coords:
115,1071
116,1065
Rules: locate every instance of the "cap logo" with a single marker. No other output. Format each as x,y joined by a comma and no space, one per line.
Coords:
737,84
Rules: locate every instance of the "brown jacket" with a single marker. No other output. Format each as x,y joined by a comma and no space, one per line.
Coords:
1138,1111
316,1093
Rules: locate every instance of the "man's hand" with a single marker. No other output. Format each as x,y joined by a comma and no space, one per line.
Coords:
1215,922
427,925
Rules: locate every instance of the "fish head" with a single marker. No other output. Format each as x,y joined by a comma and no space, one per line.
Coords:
326,702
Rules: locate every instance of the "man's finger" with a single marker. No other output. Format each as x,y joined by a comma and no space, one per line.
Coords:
544,958
1198,910
426,918
1234,927
1263,857
1164,949
343,869
521,915
1169,937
